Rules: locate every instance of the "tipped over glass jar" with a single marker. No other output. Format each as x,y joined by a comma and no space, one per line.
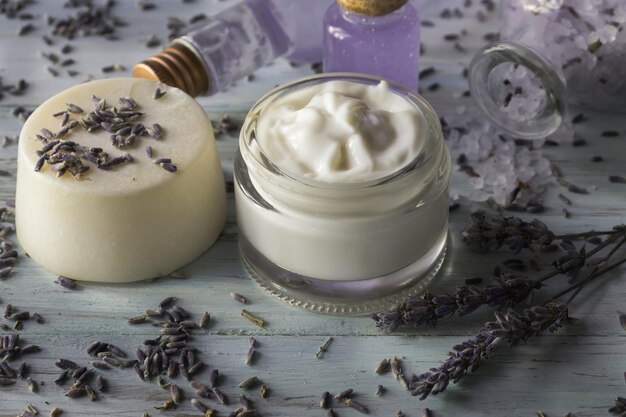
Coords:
552,53
341,188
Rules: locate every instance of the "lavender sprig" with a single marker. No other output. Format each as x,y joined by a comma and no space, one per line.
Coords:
506,291
512,327
487,231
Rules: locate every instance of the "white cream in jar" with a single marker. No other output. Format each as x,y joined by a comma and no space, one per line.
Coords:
341,192
340,131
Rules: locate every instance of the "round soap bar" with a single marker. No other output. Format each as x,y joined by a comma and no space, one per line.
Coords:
116,183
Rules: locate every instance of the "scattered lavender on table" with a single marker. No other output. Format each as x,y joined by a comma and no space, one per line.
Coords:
8,254
14,89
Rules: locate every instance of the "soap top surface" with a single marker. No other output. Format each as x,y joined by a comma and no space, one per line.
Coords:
340,132
185,131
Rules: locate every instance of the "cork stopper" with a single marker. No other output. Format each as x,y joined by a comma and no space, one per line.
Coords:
371,7
177,66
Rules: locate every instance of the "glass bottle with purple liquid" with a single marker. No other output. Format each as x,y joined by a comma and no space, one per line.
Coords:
235,42
378,37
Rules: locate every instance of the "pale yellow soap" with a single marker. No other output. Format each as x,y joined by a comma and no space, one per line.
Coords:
132,222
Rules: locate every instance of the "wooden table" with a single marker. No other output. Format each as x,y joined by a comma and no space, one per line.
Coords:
580,369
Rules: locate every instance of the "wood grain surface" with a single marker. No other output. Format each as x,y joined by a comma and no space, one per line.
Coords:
580,369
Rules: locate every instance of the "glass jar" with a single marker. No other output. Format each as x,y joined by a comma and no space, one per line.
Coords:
343,247
216,52
552,53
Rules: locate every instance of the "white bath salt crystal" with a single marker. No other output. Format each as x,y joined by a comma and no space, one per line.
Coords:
582,37
499,164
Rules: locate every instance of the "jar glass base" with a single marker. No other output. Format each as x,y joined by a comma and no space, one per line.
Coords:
343,297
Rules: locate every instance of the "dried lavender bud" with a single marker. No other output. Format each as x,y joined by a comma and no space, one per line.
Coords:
239,298
66,282
249,383
65,364
25,29
167,302
382,367
214,378
380,390
101,383
199,405
325,399
194,369
245,401
95,347
62,377
176,393
73,108
204,321
138,319
85,376
610,133
22,315
344,394
78,372
75,392
158,93
617,179
427,413
250,356
115,350
356,405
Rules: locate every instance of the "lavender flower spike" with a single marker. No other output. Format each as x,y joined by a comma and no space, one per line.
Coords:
506,291
512,327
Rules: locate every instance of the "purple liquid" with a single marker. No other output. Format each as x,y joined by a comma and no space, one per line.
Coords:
386,46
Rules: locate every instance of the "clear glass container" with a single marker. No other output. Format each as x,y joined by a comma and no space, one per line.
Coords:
552,53
235,42
385,45
343,247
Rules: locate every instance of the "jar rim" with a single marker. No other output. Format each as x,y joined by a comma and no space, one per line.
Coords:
431,134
